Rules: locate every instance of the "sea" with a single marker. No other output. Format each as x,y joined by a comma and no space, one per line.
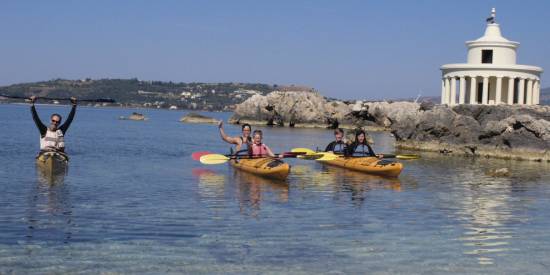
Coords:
134,201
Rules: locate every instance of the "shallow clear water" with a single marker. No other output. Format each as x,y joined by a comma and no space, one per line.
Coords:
133,200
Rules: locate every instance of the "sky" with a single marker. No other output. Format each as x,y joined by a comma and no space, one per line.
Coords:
381,49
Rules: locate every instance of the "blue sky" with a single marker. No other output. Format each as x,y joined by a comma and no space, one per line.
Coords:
345,49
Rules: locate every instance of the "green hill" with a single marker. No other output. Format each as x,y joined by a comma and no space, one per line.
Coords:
136,93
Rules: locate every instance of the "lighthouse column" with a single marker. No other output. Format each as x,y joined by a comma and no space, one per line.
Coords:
442,91
453,91
499,90
485,92
473,90
447,90
462,95
536,92
521,93
529,95
511,91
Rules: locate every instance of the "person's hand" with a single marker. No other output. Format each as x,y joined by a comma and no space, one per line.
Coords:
73,100
33,99
220,124
380,156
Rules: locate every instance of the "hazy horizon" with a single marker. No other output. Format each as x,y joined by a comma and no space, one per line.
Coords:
351,50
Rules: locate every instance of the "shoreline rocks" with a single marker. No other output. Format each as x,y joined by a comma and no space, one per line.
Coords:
198,118
510,132
507,132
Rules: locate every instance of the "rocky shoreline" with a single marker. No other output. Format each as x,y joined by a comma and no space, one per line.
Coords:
500,131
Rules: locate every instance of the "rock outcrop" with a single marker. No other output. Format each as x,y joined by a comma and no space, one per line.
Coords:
511,132
292,108
134,116
198,118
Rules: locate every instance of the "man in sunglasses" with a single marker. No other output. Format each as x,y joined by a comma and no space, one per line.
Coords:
52,137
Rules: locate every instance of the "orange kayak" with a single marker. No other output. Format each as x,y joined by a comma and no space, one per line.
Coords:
369,165
265,167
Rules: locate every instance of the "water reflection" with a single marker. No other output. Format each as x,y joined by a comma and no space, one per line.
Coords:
49,212
252,189
211,184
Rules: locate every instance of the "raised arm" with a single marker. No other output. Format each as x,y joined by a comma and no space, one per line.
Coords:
70,118
41,127
226,138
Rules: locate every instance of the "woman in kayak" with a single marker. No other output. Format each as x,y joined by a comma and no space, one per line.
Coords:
338,146
360,148
242,143
52,136
258,149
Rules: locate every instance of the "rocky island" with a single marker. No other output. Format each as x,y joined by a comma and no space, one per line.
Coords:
502,131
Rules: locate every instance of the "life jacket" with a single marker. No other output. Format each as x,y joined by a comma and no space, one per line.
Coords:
52,140
244,147
339,148
259,150
361,150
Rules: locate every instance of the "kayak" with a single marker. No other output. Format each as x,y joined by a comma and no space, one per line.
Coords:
265,167
52,162
369,165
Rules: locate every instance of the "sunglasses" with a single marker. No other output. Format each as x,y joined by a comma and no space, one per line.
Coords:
55,121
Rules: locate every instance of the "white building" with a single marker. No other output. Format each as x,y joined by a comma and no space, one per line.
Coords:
491,75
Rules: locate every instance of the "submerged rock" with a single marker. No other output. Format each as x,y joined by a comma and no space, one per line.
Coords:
501,172
198,118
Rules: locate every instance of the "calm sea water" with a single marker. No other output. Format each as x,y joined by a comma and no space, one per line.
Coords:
133,201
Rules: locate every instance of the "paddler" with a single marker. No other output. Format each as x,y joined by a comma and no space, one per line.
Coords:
52,138
259,149
242,143
360,147
338,146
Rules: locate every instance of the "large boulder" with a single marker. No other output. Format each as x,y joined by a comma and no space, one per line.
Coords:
293,108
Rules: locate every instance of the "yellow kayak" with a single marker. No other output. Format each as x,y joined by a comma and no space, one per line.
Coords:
370,165
51,163
266,167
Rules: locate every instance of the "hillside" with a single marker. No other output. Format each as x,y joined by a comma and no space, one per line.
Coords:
136,93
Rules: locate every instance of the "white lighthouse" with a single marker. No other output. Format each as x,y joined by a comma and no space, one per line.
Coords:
491,75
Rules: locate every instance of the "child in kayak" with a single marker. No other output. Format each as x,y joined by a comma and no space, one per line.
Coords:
242,143
360,147
258,149
338,146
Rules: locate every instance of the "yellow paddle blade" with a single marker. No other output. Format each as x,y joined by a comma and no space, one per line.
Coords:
327,156
303,150
213,159
407,156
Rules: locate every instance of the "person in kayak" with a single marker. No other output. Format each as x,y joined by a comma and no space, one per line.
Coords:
242,143
259,149
360,147
52,138
338,146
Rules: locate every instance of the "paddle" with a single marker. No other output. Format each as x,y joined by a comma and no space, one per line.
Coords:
98,100
219,158
197,155
330,156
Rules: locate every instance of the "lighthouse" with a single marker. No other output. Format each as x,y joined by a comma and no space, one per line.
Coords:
491,75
